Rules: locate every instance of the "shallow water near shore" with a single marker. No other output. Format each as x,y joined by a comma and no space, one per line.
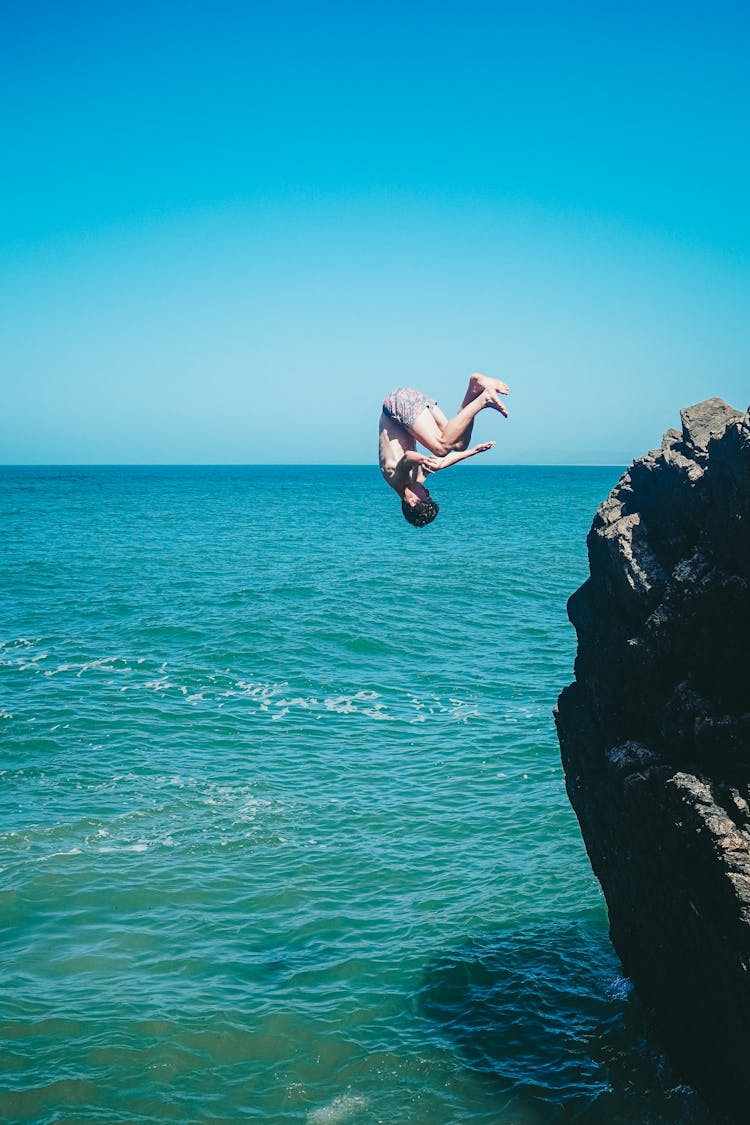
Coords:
283,833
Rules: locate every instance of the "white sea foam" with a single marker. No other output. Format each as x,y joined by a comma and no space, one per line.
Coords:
619,988
54,855
259,690
339,704
102,662
19,643
340,1109
376,712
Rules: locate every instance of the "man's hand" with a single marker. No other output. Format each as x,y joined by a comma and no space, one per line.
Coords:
432,464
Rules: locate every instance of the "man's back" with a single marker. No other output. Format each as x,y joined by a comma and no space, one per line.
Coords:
394,442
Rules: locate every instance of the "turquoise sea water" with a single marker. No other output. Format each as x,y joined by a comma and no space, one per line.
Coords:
283,834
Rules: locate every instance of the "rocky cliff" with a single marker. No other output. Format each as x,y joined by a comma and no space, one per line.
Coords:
655,738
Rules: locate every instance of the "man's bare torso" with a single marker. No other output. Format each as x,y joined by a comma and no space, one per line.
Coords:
395,441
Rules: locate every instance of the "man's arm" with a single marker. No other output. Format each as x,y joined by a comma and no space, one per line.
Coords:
435,464
411,461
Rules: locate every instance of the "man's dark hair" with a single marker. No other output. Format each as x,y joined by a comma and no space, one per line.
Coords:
420,514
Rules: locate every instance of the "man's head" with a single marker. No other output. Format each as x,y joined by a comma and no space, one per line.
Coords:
421,513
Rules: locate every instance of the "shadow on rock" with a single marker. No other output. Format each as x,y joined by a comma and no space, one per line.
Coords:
545,1015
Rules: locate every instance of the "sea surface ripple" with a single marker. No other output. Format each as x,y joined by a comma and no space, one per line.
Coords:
284,834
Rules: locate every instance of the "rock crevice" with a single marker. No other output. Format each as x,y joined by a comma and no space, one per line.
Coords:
655,736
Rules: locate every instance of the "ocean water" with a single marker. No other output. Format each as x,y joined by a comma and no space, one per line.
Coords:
283,829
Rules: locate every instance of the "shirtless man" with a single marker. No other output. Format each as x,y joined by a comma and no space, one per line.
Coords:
410,416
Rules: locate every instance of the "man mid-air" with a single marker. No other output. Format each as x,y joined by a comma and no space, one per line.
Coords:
409,417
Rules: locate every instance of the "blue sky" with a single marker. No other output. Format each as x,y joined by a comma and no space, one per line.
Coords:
229,229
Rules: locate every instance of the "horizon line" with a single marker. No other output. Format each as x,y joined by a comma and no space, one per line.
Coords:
291,465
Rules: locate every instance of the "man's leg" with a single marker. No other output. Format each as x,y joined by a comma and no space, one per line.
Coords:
478,384
442,435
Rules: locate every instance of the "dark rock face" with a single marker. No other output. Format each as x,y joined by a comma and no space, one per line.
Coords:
655,738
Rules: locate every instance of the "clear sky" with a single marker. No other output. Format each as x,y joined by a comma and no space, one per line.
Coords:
228,229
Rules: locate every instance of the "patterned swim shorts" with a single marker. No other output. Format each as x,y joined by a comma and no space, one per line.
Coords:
405,404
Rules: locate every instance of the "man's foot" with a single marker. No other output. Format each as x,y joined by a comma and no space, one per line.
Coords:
489,398
486,383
